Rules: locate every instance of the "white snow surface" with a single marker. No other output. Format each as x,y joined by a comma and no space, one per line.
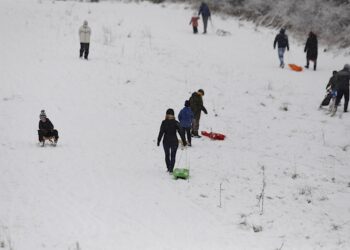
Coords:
105,185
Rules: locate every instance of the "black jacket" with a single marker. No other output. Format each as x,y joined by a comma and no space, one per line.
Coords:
311,47
169,128
46,126
342,79
204,10
331,83
196,104
281,40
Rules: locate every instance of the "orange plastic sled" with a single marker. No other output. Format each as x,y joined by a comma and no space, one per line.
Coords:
295,67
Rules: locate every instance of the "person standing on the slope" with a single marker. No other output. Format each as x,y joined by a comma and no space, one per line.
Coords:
185,117
311,49
168,129
84,36
194,22
205,12
46,129
342,81
282,43
196,104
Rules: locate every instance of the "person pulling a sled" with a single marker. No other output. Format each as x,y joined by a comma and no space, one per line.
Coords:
46,129
185,117
168,129
282,43
196,104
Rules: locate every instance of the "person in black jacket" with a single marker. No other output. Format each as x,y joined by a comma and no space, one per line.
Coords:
311,49
168,129
205,12
282,43
196,104
342,81
46,129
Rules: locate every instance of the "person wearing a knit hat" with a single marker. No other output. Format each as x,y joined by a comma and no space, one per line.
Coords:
196,104
342,81
168,129
84,36
185,117
46,129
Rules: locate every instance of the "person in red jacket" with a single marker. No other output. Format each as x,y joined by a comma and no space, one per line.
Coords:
194,22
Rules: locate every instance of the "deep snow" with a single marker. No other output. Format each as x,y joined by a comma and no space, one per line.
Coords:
105,186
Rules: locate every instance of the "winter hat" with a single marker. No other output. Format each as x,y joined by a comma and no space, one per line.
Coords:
85,22
42,114
347,67
201,91
187,103
283,30
170,112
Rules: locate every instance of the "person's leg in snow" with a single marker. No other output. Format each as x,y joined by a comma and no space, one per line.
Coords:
195,127
167,155
281,55
346,97
195,30
173,149
205,23
188,133
81,51
86,54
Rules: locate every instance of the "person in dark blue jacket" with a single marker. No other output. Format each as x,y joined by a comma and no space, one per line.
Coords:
185,117
168,129
282,42
205,12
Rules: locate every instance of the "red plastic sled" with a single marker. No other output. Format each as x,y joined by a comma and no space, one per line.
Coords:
295,67
214,136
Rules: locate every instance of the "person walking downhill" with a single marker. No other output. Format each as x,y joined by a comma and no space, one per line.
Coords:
342,81
196,104
205,12
282,43
194,22
84,36
311,49
185,117
168,129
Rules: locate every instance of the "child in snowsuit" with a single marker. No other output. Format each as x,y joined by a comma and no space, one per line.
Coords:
168,129
46,129
331,91
194,22
185,117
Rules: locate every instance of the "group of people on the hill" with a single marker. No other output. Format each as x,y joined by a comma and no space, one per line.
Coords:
189,118
311,47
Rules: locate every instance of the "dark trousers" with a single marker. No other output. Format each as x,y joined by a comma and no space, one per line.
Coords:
340,94
195,125
195,30
205,23
84,49
48,133
170,156
187,131
308,63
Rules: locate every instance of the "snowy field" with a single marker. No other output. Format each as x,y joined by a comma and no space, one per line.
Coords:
105,186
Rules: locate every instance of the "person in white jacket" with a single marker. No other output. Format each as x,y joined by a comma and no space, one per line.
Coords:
84,35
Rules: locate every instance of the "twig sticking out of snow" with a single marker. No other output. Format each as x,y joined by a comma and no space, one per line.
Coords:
261,196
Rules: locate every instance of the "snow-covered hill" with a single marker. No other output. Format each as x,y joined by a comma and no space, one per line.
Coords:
105,185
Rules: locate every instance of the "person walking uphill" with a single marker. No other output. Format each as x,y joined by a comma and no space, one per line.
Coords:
168,129
205,12
84,36
185,118
282,43
311,49
196,104
342,81
194,22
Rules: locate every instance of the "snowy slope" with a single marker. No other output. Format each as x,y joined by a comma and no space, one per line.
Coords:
105,186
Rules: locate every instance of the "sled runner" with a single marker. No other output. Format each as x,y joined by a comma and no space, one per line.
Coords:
214,136
51,139
295,67
181,173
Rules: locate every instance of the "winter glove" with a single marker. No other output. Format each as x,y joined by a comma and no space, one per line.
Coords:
158,144
205,110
